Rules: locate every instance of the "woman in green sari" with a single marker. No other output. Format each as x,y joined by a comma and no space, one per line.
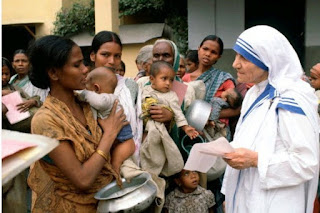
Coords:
21,65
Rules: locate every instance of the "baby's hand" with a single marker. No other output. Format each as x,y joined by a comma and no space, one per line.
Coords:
211,123
190,131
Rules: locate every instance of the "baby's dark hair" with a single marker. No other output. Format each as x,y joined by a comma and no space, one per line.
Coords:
156,66
234,98
192,55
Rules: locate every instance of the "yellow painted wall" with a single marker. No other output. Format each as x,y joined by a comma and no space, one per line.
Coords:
129,54
106,15
42,12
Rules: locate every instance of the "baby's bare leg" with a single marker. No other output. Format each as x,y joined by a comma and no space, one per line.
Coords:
121,152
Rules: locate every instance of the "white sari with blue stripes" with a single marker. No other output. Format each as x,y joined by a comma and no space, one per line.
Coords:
277,128
278,120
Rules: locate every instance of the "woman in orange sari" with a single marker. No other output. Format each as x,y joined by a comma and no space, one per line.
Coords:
68,177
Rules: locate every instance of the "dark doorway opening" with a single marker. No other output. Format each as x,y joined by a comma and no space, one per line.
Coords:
15,37
287,16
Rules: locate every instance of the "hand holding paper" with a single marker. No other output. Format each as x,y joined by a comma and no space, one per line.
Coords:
242,158
11,101
203,155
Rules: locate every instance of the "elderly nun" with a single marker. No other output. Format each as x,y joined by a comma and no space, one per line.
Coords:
275,166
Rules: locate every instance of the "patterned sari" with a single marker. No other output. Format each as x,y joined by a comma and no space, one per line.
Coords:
213,79
52,190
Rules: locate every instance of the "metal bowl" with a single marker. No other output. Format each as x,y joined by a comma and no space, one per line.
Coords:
135,196
198,114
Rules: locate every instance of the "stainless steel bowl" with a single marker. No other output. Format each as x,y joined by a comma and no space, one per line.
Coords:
198,114
135,196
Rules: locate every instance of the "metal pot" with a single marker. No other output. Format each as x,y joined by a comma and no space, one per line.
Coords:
198,114
135,196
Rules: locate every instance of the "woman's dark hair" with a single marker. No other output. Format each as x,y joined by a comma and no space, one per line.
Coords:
20,51
45,53
6,62
192,55
123,65
214,38
104,37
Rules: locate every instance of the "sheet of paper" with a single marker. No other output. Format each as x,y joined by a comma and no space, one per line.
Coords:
19,161
203,155
10,147
11,100
180,89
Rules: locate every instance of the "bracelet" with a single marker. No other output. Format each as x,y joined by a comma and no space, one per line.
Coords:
102,154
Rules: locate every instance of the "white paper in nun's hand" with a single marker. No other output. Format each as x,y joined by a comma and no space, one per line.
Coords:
203,155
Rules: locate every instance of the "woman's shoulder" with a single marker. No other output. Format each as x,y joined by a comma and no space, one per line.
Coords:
131,82
186,77
143,81
13,78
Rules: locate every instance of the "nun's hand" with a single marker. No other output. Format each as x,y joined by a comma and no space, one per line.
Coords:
241,158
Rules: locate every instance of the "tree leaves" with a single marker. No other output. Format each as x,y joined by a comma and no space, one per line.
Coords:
75,20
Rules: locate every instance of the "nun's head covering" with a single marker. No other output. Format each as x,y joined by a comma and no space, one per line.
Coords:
267,48
175,52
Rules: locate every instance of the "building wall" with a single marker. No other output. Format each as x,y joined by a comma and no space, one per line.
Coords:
222,18
129,54
227,20
39,12
312,35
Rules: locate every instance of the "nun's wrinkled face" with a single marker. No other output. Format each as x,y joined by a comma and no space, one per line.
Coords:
247,71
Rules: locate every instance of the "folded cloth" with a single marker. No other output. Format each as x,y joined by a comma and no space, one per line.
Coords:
159,154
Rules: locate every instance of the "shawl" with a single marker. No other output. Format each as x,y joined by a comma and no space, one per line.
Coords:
26,85
213,78
21,83
53,191
131,111
176,59
257,128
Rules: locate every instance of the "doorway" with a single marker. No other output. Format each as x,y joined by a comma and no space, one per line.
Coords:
287,16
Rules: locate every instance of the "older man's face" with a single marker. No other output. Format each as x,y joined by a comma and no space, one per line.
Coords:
163,52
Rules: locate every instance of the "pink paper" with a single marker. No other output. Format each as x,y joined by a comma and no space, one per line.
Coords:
180,89
11,101
203,155
9,147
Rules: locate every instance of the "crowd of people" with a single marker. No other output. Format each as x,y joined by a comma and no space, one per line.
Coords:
105,121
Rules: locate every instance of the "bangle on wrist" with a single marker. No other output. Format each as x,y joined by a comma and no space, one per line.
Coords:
102,154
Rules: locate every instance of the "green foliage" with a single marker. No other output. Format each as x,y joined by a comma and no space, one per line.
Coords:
75,20
81,18
172,12
179,25
134,7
